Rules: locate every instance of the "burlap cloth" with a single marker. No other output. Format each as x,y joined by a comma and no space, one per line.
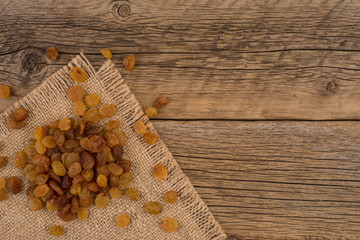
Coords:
48,103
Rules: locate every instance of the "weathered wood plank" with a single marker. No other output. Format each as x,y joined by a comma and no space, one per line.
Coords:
273,180
213,59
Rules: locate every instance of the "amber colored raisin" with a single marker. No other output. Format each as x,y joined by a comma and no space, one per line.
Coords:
122,220
92,100
48,141
111,140
35,204
30,191
82,214
54,124
41,169
2,182
29,172
109,156
58,168
74,204
2,161
41,190
14,185
40,148
107,110
30,150
52,53
3,194
93,186
78,74
75,93
101,181
38,133
51,205
59,137
114,180
41,179
125,179
121,136
152,208
129,62
114,192
79,108
4,91
48,195
151,112
20,114
160,102
160,172
19,159
106,53
87,174
101,200
71,144
96,143
15,125
69,134
64,124
56,231
69,216
171,197
150,138
118,152
139,127
115,169
75,189
72,158
124,164
87,160
92,115
132,194
100,158
112,124
74,169
78,179
169,224
41,160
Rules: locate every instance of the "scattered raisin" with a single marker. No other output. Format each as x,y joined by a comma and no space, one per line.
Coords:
3,194
112,124
101,181
59,137
19,159
114,192
101,200
171,197
64,124
75,205
139,127
122,220
79,108
4,91
129,62
169,224
51,205
87,160
15,125
160,102
35,204
132,194
107,110
14,185
151,112
2,161
20,114
78,74
52,53
78,179
56,231
75,93
160,172
106,53
150,138
30,150
92,115
92,100
41,160
103,169
86,201
2,182
152,208
82,214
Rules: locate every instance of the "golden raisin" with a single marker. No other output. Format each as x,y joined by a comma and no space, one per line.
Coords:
51,205
40,148
115,169
82,214
15,125
107,110
41,190
122,220
112,124
75,93
106,53
114,192
87,174
75,189
125,179
101,200
171,197
120,135
20,159
58,168
2,161
101,181
96,143
74,169
78,74
3,194
35,204
54,124
41,179
160,102
20,114
151,112
4,91
129,62
150,138
169,224
52,53
92,100
30,150
111,140
152,208
14,185
29,172
64,124
56,231
79,108
2,182
48,141
139,127
160,172
38,133
92,115
132,194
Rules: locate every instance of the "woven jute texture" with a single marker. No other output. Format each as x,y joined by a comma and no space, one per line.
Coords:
48,103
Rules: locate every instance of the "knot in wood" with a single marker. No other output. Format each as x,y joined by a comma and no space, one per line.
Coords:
124,10
332,86
32,62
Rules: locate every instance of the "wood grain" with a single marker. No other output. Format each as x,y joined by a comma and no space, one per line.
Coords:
214,59
273,180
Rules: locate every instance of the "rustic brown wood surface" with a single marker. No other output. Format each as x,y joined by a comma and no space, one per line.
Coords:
221,62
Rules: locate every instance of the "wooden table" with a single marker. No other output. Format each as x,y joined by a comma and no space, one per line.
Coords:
264,97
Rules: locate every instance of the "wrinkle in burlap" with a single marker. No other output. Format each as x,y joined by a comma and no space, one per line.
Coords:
48,103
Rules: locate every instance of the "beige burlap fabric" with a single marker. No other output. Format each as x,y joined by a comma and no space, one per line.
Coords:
48,103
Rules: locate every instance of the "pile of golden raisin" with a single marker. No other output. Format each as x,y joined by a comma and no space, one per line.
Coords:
73,164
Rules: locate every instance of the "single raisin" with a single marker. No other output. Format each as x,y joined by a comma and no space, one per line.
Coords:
20,114
38,133
41,190
78,179
124,164
109,156
29,172
101,181
121,136
111,140
96,143
93,186
114,192
78,74
51,205
79,108
152,208
48,141
150,112
41,160
30,150
122,220
101,200
59,137
87,160
4,91
87,201
52,53
41,169
75,93
114,180
103,169
15,125
82,214
92,100
106,53
30,191
169,224
19,159
107,110
69,134
129,62
150,138
74,169
54,124
87,174
40,148
91,115
56,231
58,168
75,189
66,182
75,205
115,169
2,182
139,127
125,179
64,124
14,185
132,194
171,197
160,172
35,204
71,158
160,102
41,179
2,161
112,125
56,187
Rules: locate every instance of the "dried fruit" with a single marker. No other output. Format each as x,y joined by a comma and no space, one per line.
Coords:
30,151
121,136
58,168
151,112
41,160
87,160
52,53
40,148
115,169
4,91
139,127
160,102
19,159
38,133
92,186
92,115
41,190
132,194
103,169
51,205
86,201
169,224
152,208
160,172
122,220
125,179
118,152
78,179
114,192
96,144
48,141
56,231
129,62
111,140
114,180
82,214
107,110
87,174
112,124
35,204
56,187
150,138
15,125
101,200
2,182
75,93
101,181
106,53
78,74
79,108
41,179
3,194
75,205
74,169
20,114
14,185
2,161
92,100
64,124
59,137
29,172
124,164
171,197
